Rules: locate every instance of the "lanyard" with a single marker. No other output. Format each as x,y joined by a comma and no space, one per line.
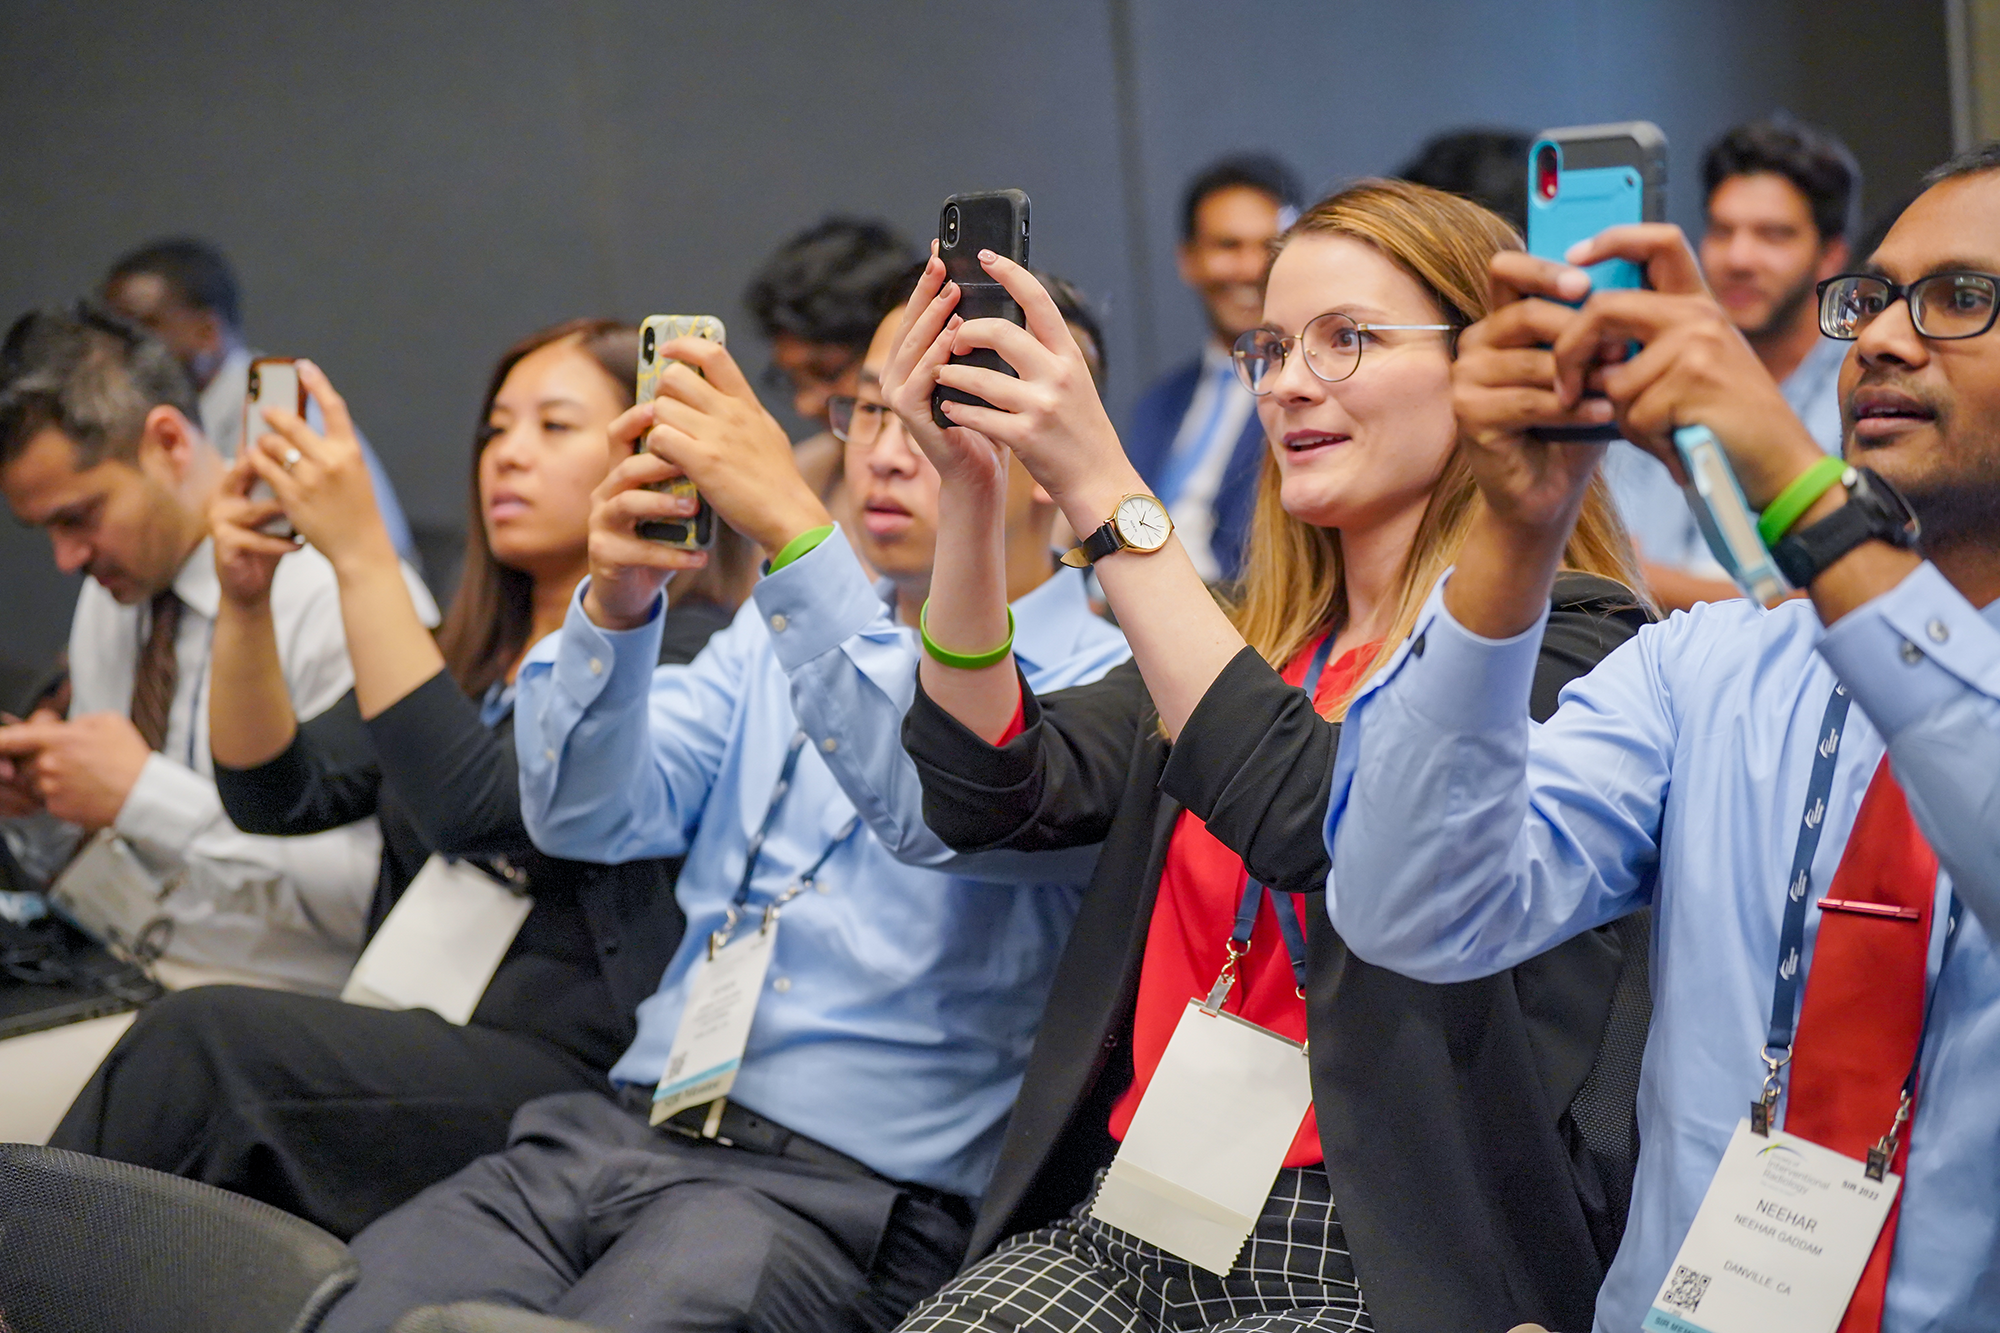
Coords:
742,896
1777,1052
1282,904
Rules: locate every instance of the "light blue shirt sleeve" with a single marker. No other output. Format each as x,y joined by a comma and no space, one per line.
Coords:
1924,665
618,755
853,672
1458,850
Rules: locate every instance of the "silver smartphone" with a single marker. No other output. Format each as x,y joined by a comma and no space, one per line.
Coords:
274,382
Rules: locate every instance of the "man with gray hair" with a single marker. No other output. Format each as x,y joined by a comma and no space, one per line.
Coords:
99,446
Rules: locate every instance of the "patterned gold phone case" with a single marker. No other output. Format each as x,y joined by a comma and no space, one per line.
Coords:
690,534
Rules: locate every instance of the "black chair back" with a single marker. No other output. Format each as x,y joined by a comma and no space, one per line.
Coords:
1606,1109
87,1244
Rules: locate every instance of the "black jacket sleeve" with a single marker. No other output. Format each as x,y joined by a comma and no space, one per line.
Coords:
1255,762
1055,785
458,776
327,776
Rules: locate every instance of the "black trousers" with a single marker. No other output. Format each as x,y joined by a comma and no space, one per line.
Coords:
332,1111
591,1215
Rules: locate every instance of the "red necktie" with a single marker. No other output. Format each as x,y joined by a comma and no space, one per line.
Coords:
1863,1012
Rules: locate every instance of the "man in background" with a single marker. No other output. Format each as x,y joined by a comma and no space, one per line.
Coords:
1194,436
184,293
1782,200
817,300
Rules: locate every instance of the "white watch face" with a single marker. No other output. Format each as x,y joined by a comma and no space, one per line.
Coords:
1143,524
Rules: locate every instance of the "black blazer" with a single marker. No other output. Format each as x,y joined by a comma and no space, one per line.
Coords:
1466,1195
598,937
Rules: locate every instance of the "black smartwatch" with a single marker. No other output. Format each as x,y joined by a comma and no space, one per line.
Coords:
1874,512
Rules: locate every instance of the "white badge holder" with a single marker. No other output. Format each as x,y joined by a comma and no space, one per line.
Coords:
1208,1139
715,1025
1779,1241
109,892
441,943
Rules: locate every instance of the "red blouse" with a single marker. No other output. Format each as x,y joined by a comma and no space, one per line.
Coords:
1201,886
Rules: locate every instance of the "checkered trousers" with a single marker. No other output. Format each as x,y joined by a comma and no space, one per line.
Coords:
1081,1276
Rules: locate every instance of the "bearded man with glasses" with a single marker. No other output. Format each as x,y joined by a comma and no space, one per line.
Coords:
1808,797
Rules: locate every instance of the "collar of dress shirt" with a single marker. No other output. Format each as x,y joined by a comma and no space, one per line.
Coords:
197,585
221,402
1048,621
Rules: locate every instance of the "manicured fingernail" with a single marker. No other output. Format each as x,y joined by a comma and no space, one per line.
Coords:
1597,409
987,256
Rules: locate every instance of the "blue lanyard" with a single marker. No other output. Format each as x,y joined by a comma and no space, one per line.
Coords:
756,847
1282,904
1777,1052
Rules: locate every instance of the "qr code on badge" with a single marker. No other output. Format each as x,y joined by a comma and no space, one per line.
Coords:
1686,1289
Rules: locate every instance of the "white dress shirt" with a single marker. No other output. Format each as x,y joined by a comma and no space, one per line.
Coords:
286,911
1214,421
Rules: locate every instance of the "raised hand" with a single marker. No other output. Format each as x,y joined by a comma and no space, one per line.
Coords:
246,558
1050,416
626,570
924,344
321,481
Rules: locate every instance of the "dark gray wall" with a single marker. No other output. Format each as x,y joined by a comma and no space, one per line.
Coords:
407,189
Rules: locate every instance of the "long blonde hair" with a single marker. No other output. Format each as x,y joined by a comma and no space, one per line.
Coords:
1293,585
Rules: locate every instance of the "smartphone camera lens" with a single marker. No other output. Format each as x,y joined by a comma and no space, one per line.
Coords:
647,346
1548,171
951,225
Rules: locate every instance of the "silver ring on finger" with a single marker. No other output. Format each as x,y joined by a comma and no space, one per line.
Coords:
291,459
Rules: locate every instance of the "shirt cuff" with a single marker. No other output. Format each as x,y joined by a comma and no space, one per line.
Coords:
590,660
1913,650
818,602
1465,683
167,808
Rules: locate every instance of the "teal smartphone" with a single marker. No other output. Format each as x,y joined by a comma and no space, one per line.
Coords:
1581,180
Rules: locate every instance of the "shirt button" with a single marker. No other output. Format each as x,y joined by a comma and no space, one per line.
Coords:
829,745
781,984
1911,653
778,624
596,666
549,755
1937,631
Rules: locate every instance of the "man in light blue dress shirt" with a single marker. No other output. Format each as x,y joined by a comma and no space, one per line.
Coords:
835,1186
1464,839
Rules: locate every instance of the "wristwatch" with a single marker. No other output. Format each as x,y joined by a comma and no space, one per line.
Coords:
1874,512
1139,522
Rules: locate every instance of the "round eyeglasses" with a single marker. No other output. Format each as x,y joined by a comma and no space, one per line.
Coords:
1332,344
853,421
1957,304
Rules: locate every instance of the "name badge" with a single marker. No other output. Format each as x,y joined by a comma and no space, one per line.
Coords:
1208,1139
1779,1241
715,1026
108,892
441,943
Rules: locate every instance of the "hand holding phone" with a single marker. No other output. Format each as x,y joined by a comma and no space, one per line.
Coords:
1582,181
688,534
995,220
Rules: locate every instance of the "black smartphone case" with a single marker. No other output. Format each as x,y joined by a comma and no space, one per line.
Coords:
995,220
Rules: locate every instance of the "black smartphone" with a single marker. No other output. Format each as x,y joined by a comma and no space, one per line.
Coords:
1582,180
995,220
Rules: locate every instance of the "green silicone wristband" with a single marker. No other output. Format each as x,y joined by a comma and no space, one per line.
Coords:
1803,492
963,661
798,546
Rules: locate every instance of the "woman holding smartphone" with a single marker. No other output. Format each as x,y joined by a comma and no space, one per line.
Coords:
335,1111
1439,1179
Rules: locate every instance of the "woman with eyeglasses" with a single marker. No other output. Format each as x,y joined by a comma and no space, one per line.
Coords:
339,1111
1442,1177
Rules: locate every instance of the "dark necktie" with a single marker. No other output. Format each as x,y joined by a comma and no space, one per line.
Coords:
1863,1013
153,683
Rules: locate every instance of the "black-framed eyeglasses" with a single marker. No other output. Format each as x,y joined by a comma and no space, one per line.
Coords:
1333,343
853,421
1956,304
